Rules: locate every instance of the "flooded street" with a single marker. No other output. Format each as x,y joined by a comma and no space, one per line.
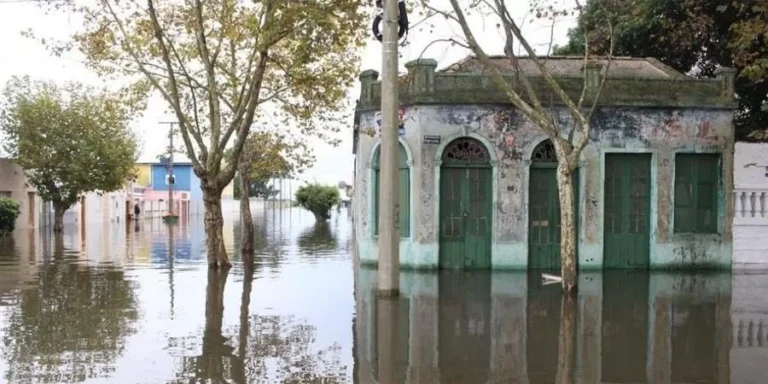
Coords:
106,307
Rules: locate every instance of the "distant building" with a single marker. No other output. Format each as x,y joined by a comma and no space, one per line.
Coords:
151,189
13,184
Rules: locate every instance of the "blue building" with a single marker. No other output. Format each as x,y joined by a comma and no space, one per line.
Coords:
186,180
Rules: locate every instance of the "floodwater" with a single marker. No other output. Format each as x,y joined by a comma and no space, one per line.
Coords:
103,306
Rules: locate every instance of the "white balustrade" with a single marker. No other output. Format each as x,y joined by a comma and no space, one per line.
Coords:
750,203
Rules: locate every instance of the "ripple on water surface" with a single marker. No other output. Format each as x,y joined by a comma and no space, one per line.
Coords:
139,305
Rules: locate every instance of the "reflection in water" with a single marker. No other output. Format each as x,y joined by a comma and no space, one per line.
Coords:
461,327
71,326
143,307
318,238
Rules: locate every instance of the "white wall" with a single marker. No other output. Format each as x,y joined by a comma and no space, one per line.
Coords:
750,224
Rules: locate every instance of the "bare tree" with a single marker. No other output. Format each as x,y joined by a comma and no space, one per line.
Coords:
568,141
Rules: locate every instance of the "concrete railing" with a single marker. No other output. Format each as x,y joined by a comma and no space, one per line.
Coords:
750,205
750,332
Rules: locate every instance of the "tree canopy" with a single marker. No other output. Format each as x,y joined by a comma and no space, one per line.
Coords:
318,199
70,139
217,63
692,36
220,64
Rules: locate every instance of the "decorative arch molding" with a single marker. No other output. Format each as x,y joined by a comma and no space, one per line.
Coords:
402,142
493,159
466,151
544,152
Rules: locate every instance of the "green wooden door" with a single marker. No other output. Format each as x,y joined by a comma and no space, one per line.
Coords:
627,211
544,217
465,217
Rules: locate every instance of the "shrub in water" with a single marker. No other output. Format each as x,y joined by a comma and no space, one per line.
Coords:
9,211
318,199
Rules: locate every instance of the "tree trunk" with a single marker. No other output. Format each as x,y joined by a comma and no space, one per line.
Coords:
214,343
319,217
246,220
239,375
567,351
214,229
58,217
567,229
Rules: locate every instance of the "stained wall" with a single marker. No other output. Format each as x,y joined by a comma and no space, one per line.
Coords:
511,138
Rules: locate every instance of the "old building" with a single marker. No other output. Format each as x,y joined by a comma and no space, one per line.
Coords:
14,185
477,180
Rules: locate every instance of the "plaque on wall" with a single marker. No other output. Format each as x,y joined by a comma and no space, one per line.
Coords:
431,139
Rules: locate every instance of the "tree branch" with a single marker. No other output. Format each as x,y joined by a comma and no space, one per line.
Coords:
172,99
545,72
506,19
535,115
213,93
451,40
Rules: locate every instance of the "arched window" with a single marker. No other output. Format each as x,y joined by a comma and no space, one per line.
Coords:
404,189
466,151
544,153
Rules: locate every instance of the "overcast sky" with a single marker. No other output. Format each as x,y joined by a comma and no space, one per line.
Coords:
22,56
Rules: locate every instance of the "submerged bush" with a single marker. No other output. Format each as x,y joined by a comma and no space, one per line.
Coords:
9,211
318,199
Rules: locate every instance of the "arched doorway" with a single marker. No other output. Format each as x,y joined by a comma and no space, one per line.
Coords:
465,205
544,208
404,191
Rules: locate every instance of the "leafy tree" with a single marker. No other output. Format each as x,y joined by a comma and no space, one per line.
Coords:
318,199
9,212
692,36
569,140
258,189
266,155
217,62
70,140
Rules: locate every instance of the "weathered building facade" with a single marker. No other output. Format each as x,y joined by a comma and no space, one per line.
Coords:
477,179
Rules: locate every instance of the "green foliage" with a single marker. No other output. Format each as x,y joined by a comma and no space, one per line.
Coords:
70,140
267,155
9,211
318,199
258,189
695,36
222,64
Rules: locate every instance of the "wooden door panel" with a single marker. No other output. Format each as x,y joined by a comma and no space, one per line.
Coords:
452,228
544,218
627,211
478,218
465,217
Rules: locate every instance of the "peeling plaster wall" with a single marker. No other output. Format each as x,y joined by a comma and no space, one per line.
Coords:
511,138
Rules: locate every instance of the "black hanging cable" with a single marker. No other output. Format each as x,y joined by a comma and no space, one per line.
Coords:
402,21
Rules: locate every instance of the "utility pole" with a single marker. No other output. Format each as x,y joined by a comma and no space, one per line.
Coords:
169,167
389,238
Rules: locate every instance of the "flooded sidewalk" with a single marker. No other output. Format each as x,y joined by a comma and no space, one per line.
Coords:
111,307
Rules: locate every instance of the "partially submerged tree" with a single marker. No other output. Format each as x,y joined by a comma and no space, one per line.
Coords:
215,62
70,140
266,155
569,141
318,199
